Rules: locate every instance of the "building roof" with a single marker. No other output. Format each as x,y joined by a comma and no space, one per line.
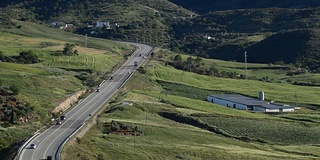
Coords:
236,98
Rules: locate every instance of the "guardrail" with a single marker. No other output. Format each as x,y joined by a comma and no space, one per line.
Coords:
61,146
58,152
24,145
131,74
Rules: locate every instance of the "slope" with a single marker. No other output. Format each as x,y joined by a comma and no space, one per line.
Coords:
204,6
298,46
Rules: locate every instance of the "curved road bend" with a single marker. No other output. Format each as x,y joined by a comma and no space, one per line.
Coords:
48,142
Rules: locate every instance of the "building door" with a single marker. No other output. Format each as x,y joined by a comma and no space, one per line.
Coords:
249,108
234,105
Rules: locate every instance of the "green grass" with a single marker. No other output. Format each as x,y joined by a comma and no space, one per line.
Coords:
20,69
9,137
275,73
38,87
308,118
162,136
163,89
272,131
45,34
201,105
273,91
47,83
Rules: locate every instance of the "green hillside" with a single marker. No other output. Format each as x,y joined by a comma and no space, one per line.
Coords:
227,34
204,6
297,47
140,21
220,34
170,115
29,91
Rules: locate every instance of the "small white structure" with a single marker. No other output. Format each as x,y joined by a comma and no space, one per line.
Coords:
101,24
247,103
261,95
67,25
57,24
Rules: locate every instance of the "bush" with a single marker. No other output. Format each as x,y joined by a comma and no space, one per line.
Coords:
28,57
15,90
68,50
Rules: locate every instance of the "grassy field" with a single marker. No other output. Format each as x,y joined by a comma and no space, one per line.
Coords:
46,84
272,131
164,89
273,91
161,89
274,73
163,139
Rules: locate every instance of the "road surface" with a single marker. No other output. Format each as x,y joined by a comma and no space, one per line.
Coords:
48,142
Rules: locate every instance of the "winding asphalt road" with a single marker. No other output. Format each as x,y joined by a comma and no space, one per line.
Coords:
48,142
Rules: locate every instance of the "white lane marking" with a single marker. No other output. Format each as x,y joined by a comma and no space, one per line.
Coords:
83,103
128,61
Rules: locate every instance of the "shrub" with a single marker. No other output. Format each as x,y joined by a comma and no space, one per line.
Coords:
15,90
28,57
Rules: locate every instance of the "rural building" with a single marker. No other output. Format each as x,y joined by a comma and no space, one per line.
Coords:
250,104
103,23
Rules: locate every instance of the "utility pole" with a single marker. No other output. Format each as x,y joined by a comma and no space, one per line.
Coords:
134,141
86,41
245,62
146,117
296,99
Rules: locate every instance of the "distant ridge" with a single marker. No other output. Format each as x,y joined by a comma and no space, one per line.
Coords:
205,6
299,46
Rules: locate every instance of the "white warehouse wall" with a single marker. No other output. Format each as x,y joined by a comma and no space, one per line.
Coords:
226,103
288,110
272,110
241,106
256,108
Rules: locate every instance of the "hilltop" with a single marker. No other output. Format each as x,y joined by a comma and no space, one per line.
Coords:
227,34
297,47
157,89
205,6
220,34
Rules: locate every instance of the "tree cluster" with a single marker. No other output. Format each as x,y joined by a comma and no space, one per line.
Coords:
68,50
25,57
197,66
10,107
116,127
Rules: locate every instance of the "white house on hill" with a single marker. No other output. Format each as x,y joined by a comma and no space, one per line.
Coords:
103,23
247,103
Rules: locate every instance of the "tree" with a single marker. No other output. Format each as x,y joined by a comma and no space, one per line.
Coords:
198,61
177,58
68,50
28,57
1,56
15,90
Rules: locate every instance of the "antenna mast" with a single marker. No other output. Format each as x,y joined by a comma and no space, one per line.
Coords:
86,41
245,62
